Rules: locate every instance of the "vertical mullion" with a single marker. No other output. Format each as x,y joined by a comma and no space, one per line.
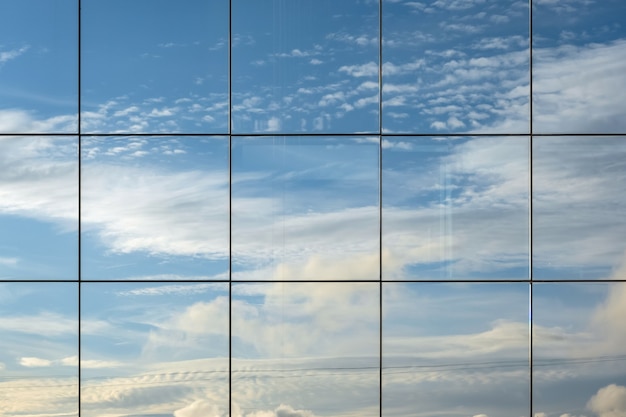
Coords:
230,206
530,205
79,131
380,207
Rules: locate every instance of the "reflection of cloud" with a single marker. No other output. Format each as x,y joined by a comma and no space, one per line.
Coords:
574,88
6,56
609,401
32,362
199,408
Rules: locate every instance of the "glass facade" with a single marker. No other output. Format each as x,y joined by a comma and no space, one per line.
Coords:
307,208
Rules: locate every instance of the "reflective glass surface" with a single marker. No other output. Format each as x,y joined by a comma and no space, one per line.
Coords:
38,349
154,208
38,66
579,66
154,349
38,207
455,349
305,208
579,207
456,66
154,66
579,349
303,349
305,66
455,208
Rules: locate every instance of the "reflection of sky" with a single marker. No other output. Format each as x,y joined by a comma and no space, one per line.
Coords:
301,204
156,207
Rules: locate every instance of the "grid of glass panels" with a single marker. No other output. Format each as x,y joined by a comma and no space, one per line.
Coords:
307,208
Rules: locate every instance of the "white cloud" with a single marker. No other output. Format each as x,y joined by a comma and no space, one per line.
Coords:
6,56
32,362
364,70
609,401
199,408
574,88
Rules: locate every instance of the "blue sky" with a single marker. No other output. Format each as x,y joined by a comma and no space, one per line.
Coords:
307,208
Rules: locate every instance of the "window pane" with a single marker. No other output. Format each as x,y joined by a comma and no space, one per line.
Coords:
579,66
155,208
455,349
579,349
455,208
38,66
456,66
579,207
154,66
154,350
305,66
38,349
305,208
303,346
38,207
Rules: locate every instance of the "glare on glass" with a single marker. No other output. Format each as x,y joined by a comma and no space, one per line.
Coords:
38,207
579,349
154,349
305,66
38,349
38,66
154,66
579,207
154,208
305,208
305,349
579,66
455,208
455,349
456,66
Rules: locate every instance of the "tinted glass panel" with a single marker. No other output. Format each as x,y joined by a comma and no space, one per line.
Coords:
154,350
155,208
456,66
38,207
305,66
38,349
305,208
579,207
154,66
579,349
455,208
38,66
579,66
455,349
305,349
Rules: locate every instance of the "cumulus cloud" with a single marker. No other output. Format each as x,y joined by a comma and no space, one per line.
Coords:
199,408
32,362
609,401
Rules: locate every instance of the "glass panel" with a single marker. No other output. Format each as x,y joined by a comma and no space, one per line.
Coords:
305,66
155,208
579,66
157,350
455,349
38,208
456,66
305,208
579,207
164,67
303,349
455,208
579,349
38,66
38,349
